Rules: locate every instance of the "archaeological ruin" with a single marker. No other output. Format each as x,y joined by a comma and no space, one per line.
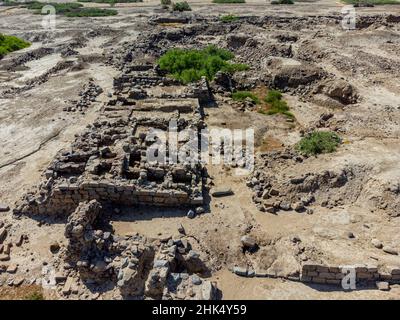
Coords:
105,189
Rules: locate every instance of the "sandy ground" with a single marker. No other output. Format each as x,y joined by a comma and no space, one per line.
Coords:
34,127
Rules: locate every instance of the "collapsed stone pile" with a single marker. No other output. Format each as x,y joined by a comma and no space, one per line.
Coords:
138,268
109,161
88,95
275,190
107,167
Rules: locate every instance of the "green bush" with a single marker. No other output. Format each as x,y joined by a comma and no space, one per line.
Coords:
228,18
61,8
10,3
72,9
242,95
10,43
318,142
277,105
166,3
282,2
111,1
181,6
371,2
34,296
190,65
229,1
272,96
91,12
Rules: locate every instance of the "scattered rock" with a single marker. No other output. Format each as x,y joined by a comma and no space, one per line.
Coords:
383,285
248,242
18,281
12,268
60,277
207,291
200,210
377,243
4,257
285,206
295,239
240,271
298,206
4,208
181,229
390,250
3,234
20,240
191,214
222,192
270,209
196,280
350,235
67,286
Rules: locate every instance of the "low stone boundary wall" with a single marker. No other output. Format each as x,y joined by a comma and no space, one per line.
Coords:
332,275
64,198
322,274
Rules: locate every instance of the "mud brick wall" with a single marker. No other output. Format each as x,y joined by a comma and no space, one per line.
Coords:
321,274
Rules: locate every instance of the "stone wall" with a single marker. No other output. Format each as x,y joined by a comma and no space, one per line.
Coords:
330,275
64,198
108,162
322,274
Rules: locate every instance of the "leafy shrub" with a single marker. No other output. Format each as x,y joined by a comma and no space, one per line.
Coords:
272,96
359,3
190,65
318,142
282,2
166,3
91,12
72,9
10,3
10,43
61,8
277,105
228,18
35,296
181,6
242,95
229,1
111,1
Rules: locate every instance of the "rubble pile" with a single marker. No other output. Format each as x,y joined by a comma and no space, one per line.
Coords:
107,167
273,191
135,266
109,161
88,95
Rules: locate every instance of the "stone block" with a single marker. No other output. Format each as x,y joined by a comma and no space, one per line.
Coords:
322,269
333,281
326,275
318,280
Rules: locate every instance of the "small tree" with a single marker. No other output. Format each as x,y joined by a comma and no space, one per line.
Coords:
166,3
181,6
318,142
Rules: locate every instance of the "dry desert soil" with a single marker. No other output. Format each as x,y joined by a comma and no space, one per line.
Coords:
286,229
